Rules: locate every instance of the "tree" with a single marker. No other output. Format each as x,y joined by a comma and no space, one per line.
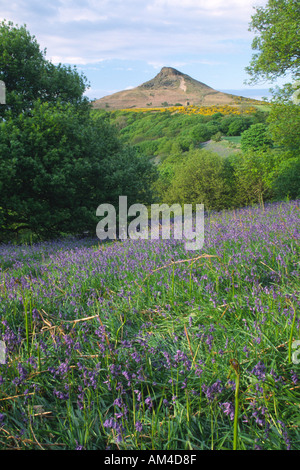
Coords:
57,165
28,76
251,173
199,179
287,183
237,126
128,173
200,133
256,138
277,40
278,46
234,125
284,126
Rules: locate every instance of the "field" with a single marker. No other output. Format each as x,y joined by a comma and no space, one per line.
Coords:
226,147
143,345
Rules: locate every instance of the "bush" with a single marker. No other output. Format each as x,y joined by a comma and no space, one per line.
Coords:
200,133
287,183
199,179
256,138
217,137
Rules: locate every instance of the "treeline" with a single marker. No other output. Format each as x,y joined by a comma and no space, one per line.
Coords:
266,166
160,134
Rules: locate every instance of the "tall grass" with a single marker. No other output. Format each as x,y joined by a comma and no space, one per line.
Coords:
144,345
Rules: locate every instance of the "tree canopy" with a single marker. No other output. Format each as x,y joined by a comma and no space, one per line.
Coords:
58,161
29,76
277,40
57,165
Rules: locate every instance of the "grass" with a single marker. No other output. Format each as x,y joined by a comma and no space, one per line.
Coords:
227,146
233,139
144,345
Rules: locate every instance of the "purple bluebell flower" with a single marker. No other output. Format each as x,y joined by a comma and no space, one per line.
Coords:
228,409
259,371
148,402
139,426
78,446
211,392
294,377
285,435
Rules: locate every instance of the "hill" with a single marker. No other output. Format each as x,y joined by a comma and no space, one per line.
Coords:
169,87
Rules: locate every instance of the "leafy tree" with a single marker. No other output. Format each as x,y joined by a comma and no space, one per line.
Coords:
284,129
199,179
287,183
217,137
278,54
28,76
284,126
128,173
234,125
237,126
251,173
256,138
57,165
200,133
277,40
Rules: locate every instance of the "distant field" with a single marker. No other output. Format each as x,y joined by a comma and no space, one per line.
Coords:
226,147
236,139
263,107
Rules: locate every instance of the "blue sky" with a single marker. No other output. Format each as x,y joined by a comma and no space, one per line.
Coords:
119,44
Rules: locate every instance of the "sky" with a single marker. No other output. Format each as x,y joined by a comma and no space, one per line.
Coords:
120,44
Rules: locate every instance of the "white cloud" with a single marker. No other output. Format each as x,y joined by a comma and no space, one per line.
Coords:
88,31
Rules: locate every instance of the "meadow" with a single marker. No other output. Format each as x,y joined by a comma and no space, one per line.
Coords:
143,345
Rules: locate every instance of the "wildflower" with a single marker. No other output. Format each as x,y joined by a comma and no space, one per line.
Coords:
245,349
259,371
118,402
139,395
61,395
228,409
148,402
198,369
113,424
212,391
257,447
138,426
78,446
285,435
294,377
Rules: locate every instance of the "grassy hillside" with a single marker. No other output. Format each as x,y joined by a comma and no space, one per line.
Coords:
160,133
169,87
144,345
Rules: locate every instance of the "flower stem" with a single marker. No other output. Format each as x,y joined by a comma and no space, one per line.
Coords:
234,363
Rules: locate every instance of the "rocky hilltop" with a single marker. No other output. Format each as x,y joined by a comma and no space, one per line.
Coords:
168,88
